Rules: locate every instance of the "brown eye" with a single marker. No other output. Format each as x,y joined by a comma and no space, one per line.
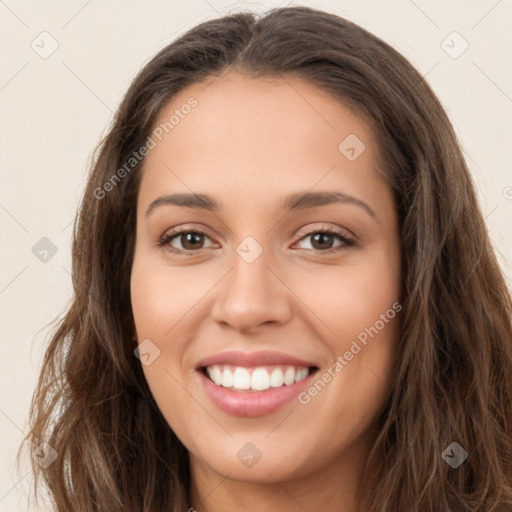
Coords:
191,241
184,241
324,240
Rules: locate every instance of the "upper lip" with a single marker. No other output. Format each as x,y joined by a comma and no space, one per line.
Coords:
249,359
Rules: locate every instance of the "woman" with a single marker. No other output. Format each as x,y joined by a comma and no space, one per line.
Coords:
285,295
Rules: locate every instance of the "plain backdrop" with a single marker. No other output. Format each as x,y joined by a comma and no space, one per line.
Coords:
54,108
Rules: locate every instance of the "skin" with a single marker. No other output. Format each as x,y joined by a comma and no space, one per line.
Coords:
249,143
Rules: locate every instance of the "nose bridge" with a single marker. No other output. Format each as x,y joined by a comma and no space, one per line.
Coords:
251,294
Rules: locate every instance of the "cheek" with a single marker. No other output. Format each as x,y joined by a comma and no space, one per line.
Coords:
349,298
162,297
164,300
161,300
358,308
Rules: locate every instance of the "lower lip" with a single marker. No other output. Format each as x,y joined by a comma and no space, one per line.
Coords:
240,403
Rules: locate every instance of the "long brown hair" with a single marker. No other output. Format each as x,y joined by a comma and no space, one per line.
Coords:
453,379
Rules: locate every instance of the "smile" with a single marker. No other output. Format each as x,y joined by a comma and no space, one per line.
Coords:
253,384
261,378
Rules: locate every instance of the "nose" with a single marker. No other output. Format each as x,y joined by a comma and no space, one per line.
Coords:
251,295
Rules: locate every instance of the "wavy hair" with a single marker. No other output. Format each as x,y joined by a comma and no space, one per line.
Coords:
453,379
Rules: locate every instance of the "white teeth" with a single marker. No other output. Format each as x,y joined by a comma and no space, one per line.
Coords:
289,375
227,378
300,374
217,375
260,379
240,378
276,378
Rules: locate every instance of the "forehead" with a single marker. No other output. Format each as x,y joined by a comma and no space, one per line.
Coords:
246,133
251,111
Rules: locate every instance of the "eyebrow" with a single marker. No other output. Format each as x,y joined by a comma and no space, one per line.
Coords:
303,200
298,201
200,201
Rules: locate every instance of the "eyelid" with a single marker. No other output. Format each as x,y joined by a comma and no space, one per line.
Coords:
187,228
322,226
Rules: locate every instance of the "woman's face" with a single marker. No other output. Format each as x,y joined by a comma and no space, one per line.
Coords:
284,282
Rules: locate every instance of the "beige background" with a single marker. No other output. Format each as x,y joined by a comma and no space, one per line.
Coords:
53,111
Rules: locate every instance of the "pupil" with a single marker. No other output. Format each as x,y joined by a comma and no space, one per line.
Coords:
191,238
322,238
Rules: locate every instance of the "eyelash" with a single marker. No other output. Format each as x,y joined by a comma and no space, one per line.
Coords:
167,238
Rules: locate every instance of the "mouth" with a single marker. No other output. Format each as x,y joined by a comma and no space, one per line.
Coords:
255,379
256,384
